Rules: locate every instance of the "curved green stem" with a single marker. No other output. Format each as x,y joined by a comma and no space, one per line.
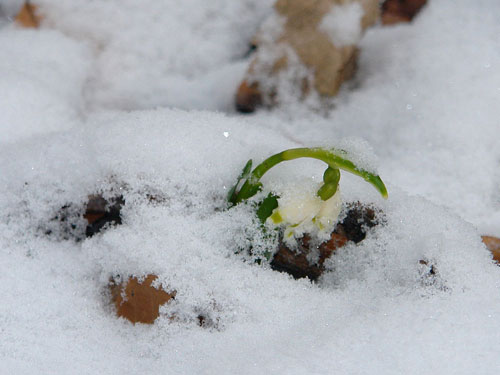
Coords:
332,157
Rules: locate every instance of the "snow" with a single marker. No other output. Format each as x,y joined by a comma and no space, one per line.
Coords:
33,104
106,97
157,53
342,24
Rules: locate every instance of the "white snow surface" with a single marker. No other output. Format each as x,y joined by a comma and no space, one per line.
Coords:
342,24
106,97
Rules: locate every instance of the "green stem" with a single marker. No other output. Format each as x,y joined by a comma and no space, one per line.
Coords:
331,157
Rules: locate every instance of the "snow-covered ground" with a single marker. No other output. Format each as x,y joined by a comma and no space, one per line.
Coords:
136,97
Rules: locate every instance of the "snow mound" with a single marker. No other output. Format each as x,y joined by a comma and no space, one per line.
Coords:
42,77
161,53
189,240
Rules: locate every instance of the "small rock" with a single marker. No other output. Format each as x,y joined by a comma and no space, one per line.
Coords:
139,301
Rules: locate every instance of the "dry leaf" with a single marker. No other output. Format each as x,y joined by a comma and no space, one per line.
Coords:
27,16
493,245
330,64
400,11
139,301
248,97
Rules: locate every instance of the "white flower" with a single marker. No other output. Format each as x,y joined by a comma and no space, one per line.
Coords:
304,212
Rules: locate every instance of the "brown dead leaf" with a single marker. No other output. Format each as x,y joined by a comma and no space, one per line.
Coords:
139,301
493,245
400,11
248,97
28,17
330,65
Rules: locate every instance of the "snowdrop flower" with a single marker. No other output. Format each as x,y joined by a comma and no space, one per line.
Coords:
306,213
314,213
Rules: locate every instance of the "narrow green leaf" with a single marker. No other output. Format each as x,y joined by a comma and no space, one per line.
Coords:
232,195
266,207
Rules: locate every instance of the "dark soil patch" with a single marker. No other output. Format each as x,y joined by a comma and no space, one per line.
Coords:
307,260
76,222
101,212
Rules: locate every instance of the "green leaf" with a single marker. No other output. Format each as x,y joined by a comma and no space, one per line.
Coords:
248,190
232,195
266,207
